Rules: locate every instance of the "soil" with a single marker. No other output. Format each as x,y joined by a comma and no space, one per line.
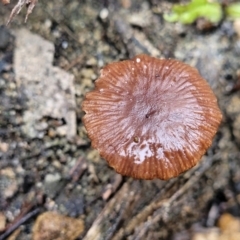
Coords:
43,168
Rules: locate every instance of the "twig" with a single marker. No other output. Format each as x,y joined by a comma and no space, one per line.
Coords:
18,7
115,211
162,206
77,170
112,187
18,223
162,213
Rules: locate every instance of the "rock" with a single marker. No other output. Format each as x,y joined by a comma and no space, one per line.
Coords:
4,147
228,223
236,25
8,183
233,112
49,90
4,37
229,229
196,54
53,184
2,221
50,225
210,234
49,178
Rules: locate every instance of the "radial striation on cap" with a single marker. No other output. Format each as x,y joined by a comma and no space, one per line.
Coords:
151,118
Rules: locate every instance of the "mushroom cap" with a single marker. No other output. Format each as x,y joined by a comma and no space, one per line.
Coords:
151,118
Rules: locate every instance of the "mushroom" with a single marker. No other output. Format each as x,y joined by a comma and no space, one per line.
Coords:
151,118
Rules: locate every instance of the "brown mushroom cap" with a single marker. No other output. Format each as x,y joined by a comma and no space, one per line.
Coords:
151,118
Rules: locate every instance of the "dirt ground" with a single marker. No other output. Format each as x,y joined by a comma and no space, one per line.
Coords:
46,160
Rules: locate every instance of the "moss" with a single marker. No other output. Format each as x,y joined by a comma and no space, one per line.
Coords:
233,10
188,13
212,11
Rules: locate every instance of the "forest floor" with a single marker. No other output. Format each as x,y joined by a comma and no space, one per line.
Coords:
46,160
